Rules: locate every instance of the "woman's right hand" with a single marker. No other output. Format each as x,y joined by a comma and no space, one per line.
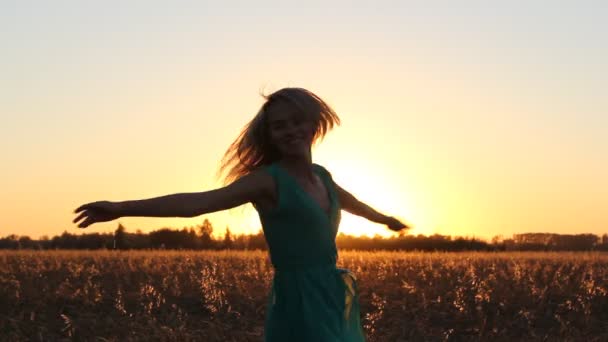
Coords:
100,211
394,224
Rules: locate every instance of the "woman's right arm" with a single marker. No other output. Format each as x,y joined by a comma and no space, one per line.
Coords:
245,189
248,188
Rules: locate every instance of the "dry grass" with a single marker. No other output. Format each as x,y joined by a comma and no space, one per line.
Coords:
221,296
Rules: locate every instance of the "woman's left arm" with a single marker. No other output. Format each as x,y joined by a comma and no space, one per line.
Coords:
352,205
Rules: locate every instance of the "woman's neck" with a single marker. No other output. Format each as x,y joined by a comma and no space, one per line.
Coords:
300,168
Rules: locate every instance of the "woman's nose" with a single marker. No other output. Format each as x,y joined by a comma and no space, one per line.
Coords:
291,130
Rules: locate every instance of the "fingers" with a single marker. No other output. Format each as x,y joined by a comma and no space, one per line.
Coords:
86,223
83,214
86,213
398,225
82,207
90,205
402,225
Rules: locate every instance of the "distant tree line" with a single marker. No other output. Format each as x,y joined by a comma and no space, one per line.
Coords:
519,242
198,237
556,242
201,237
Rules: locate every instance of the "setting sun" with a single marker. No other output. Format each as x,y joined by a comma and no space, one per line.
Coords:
375,190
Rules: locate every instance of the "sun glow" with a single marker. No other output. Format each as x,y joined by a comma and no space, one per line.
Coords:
377,194
377,191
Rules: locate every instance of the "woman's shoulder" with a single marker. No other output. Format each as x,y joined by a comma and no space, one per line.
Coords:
263,178
265,171
322,169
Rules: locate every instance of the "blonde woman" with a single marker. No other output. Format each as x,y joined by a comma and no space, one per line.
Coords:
299,204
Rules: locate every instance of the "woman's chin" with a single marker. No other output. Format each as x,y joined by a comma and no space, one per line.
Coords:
295,153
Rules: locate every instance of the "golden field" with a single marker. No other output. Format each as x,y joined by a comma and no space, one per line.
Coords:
221,295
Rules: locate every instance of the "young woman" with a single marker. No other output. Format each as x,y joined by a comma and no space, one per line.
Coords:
298,203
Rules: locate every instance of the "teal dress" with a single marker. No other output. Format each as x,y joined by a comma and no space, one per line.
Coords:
310,298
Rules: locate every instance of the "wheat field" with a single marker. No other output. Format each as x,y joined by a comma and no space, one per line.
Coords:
221,295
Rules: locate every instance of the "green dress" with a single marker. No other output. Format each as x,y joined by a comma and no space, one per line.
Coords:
310,298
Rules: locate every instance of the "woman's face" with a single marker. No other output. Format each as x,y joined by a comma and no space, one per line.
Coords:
289,130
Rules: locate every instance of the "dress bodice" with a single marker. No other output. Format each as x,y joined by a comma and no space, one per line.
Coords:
298,231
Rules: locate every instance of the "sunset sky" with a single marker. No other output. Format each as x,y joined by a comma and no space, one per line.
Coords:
467,118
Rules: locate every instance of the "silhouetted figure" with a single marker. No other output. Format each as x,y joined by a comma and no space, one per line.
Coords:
298,203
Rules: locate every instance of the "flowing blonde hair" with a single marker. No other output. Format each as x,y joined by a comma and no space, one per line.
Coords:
252,148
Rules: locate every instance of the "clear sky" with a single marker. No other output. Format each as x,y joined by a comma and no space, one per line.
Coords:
463,118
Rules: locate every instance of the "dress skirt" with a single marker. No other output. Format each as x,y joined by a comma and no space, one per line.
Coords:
318,303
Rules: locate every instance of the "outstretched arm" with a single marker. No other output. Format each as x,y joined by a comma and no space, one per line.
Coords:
352,205
243,190
246,189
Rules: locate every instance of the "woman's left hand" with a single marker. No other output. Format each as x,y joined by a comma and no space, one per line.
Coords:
394,224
